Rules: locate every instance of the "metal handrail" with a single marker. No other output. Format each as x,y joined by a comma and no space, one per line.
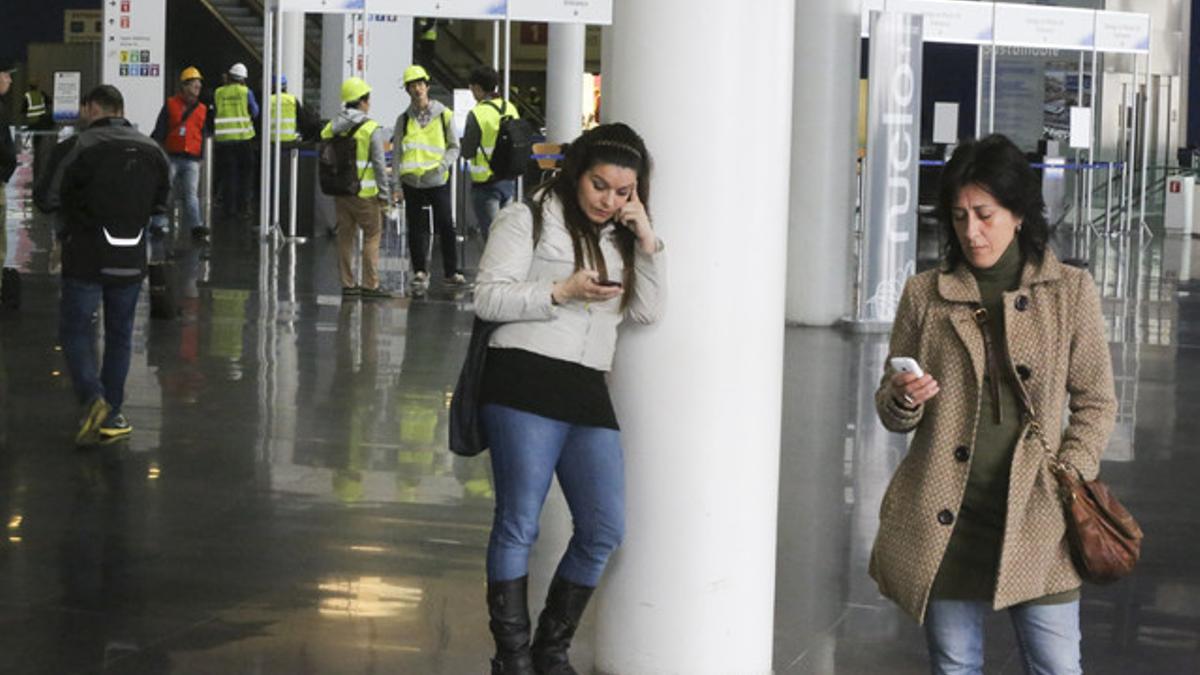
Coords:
528,111
312,55
255,52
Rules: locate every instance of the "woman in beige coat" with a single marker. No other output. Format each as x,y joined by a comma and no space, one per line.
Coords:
1007,336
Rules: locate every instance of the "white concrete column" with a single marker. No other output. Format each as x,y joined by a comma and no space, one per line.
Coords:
824,142
293,52
692,589
564,82
335,61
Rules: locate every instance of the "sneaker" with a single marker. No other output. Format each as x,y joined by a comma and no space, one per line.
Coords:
379,292
351,291
456,279
115,427
420,279
93,417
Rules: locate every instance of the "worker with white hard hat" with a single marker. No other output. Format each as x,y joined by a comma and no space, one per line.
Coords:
233,132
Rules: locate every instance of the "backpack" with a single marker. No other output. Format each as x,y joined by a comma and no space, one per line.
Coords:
337,163
514,145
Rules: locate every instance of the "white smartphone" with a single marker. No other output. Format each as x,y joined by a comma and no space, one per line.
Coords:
905,364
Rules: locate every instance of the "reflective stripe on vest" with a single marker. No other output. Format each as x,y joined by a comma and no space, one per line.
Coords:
489,128
286,122
35,104
232,118
424,147
362,154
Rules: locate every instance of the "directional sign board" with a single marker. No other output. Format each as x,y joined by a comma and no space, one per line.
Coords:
595,12
949,20
492,10
1123,32
321,6
1048,27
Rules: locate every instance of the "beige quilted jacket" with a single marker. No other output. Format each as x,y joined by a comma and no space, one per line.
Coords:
1060,358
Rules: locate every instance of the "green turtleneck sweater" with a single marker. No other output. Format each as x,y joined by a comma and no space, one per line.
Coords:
972,560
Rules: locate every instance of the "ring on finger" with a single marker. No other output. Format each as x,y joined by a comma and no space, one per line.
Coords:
909,400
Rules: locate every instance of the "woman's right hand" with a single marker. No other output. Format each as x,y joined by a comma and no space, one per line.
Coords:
582,286
911,391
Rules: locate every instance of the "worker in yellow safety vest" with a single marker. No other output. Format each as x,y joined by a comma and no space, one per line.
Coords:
37,117
365,209
424,148
489,194
233,134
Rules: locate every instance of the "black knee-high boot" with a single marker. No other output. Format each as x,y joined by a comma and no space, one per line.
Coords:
556,626
508,609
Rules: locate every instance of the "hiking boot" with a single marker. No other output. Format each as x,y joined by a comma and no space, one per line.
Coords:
94,415
115,426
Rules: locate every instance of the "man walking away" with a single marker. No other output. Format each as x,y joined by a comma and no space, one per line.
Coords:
36,111
489,193
180,131
105,191
233,132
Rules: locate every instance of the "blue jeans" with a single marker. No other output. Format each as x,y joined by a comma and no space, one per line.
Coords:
527,451
185,188
488,198
80,299
1048,636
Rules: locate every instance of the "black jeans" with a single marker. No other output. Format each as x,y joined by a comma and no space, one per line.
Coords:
235,176
415,201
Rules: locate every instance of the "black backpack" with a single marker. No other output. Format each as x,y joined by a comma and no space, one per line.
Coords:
514,145
337,163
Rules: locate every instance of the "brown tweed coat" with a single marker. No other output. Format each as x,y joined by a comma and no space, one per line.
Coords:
1060,359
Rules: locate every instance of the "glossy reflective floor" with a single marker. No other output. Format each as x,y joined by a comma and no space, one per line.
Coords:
286,503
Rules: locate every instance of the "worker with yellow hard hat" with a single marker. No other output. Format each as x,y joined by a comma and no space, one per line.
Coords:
424,148
364,210
182,125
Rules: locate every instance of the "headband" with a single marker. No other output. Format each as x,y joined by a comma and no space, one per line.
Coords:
621,146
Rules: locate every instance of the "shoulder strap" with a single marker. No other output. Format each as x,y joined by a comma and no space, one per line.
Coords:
188,112
495,107
403,126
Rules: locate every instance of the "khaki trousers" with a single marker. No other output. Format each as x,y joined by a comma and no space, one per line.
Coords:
355,212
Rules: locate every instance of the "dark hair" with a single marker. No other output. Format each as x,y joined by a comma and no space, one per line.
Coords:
615,144
108,98
997,166
358,101
485,76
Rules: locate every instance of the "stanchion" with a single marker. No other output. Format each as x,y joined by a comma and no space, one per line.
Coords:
293,184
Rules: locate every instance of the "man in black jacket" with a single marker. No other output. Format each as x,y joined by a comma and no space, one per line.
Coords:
8,150
104,191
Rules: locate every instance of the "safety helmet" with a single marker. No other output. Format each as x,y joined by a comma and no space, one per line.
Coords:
282,80
354,89
190,73
238,70
414,74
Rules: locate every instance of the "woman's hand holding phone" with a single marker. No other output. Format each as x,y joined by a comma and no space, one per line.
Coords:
585,285
910,385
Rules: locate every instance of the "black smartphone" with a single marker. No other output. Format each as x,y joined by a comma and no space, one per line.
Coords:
608,282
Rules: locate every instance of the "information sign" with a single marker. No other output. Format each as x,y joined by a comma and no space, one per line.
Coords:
1123,32
562,11
1046,27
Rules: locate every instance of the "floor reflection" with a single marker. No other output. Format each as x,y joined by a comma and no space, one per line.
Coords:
286,503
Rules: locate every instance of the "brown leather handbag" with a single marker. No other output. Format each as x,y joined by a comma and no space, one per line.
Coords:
1104,539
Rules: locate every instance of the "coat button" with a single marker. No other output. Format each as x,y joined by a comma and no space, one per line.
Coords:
1024,372
962,453
1022,303
945,517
